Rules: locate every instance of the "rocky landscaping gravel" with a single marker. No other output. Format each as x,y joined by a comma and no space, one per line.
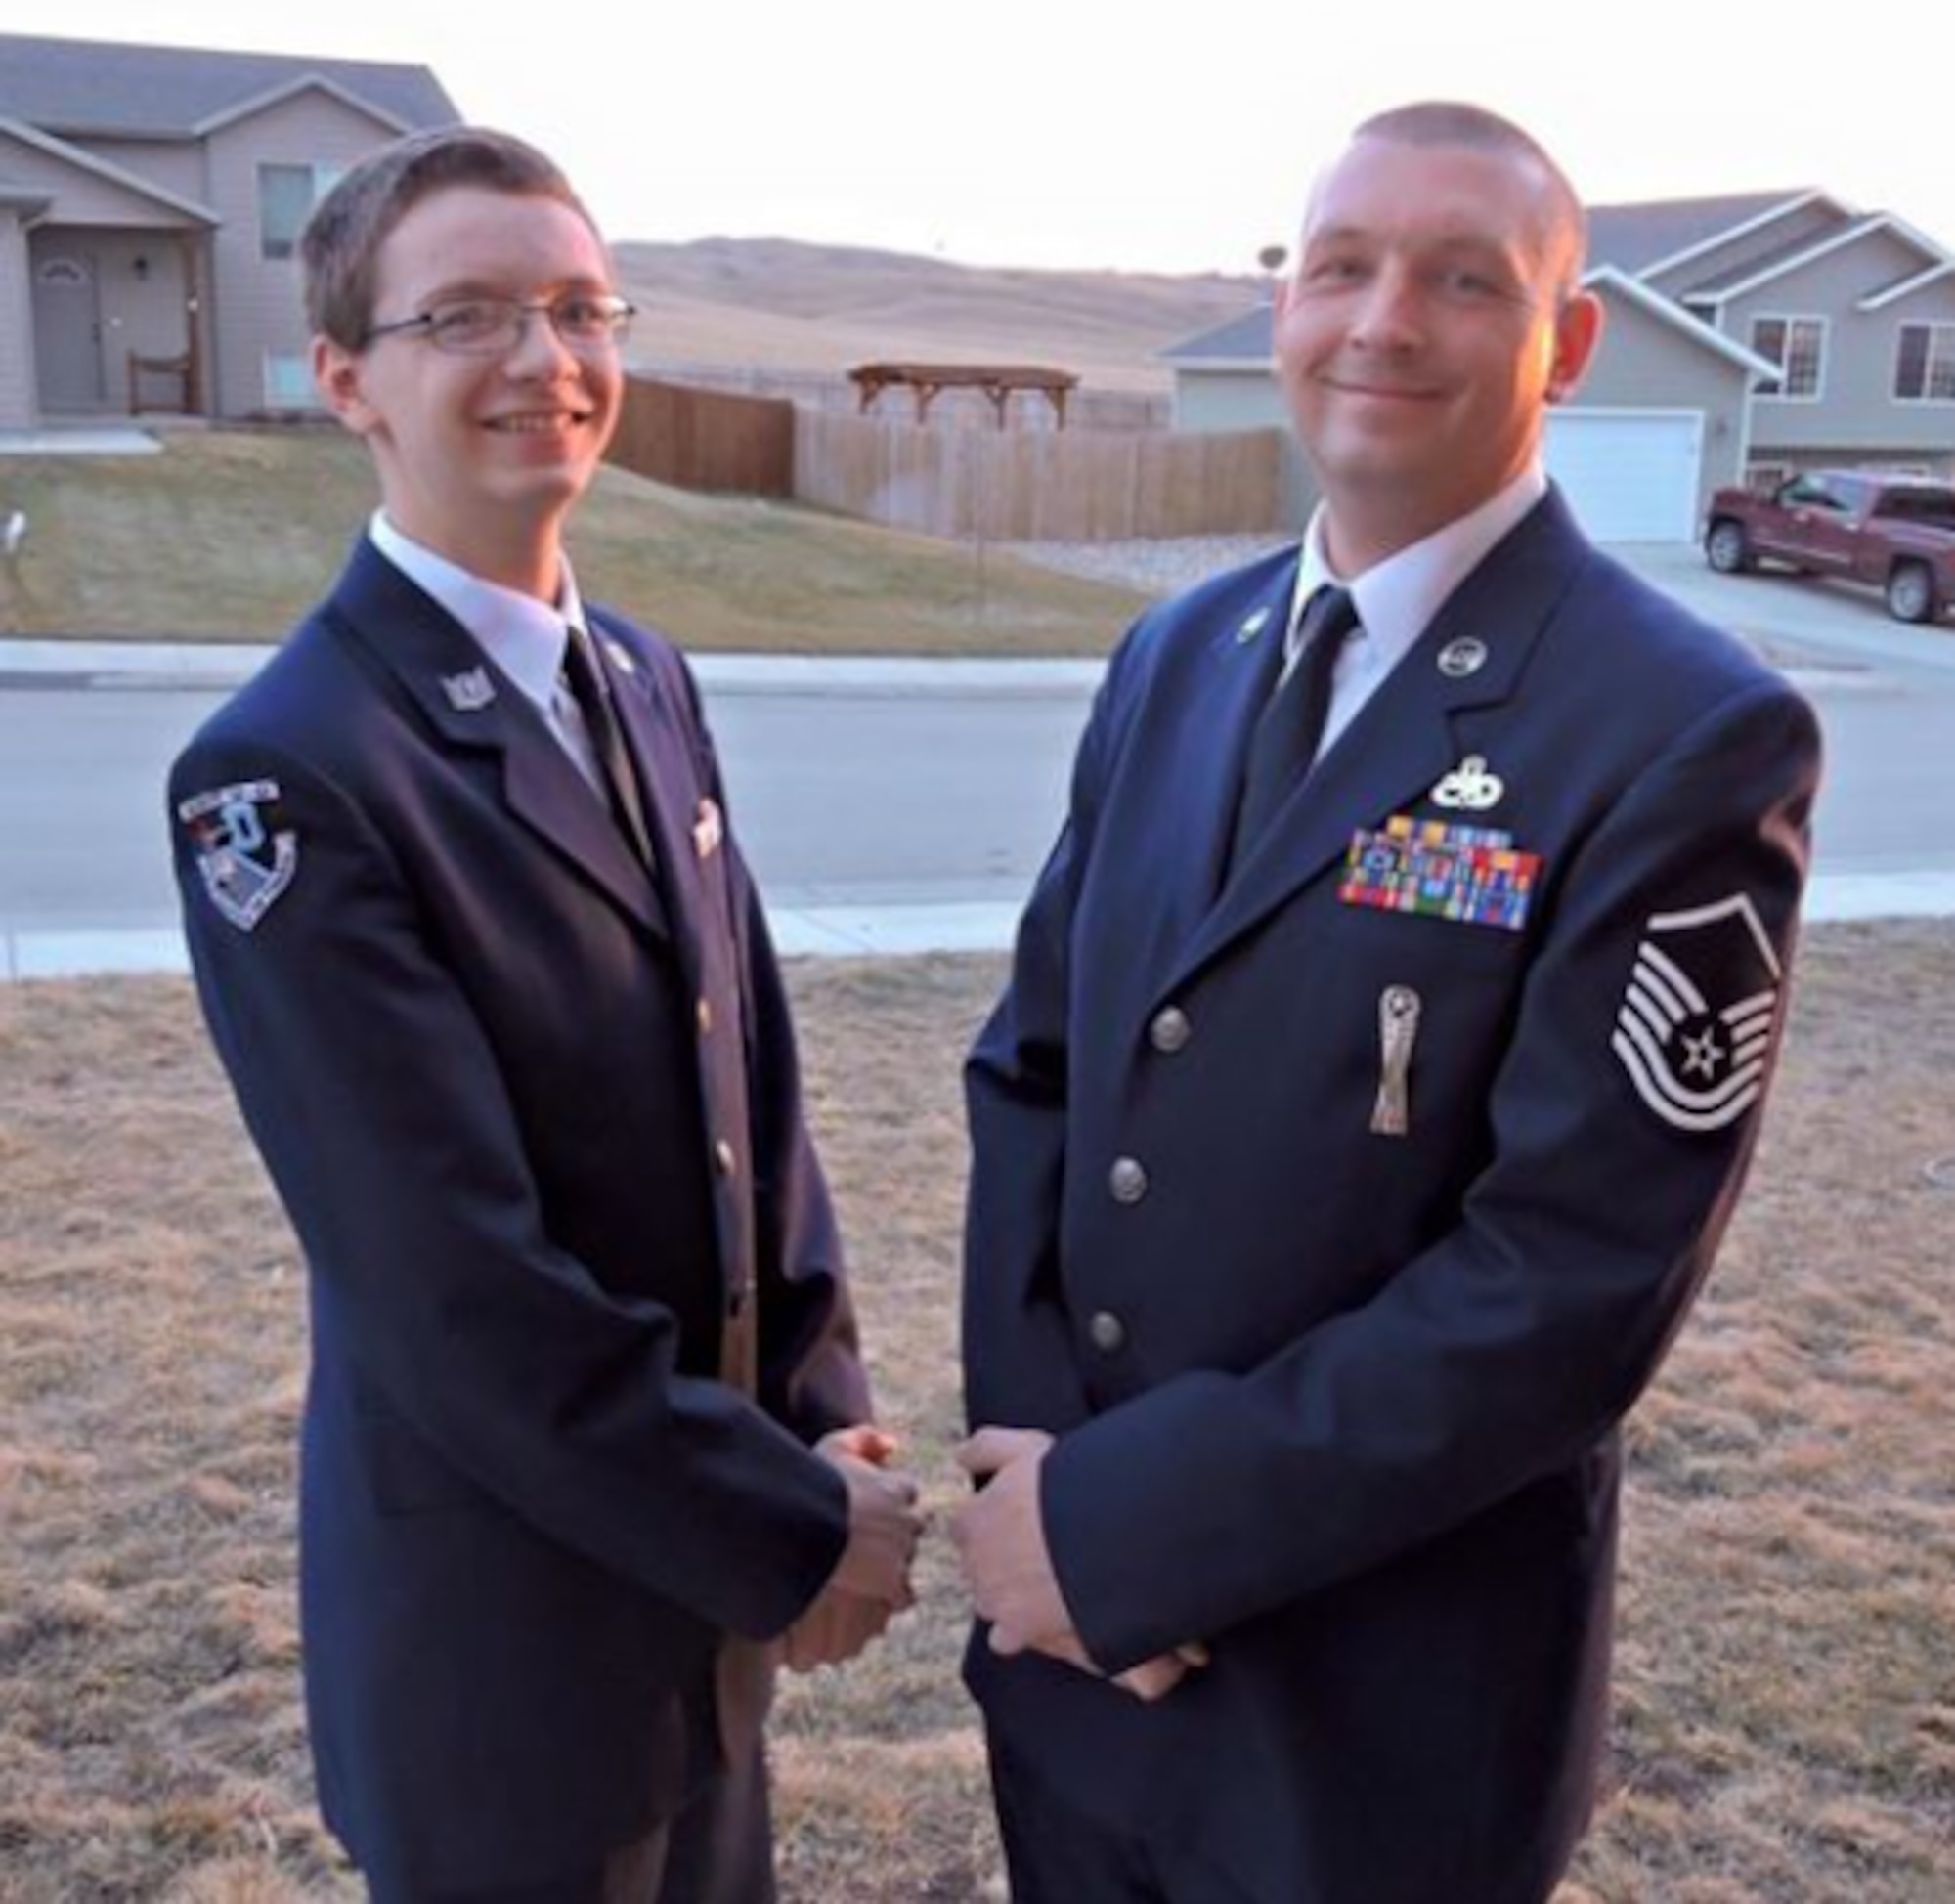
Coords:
1153,567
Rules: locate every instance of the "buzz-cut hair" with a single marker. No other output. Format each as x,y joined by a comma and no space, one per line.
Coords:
1456,123
340,248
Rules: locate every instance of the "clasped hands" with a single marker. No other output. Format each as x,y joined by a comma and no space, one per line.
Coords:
871,1581
1000,1540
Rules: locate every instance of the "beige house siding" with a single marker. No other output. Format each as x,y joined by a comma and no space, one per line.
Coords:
1646,364
84,198
175,166
1855,403
18,401
257,299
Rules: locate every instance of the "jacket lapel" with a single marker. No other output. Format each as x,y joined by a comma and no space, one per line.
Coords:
662,754
1404,740
472,707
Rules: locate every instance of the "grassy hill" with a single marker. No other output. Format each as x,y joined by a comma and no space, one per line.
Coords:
780,304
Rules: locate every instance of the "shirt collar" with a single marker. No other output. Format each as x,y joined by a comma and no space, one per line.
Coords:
1398,597
523,636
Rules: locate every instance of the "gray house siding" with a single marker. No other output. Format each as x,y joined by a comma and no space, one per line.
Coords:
1855,405
1207,398
1645,363
257,299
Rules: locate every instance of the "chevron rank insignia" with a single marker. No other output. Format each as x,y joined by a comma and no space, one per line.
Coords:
1695,1027
244,860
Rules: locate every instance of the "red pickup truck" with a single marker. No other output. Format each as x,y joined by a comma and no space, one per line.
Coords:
1897,533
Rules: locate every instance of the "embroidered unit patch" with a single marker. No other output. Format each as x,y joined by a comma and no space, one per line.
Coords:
1697,1015
245,864
1438,870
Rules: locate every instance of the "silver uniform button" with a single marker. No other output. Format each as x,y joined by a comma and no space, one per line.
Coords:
1127,1180
1106,1332
722,1155
1169,1029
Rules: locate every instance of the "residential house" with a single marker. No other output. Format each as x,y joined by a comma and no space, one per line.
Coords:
150,202
1745,337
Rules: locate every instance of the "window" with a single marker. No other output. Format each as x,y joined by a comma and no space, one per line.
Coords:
287,194
289,383
1924,364
1797,346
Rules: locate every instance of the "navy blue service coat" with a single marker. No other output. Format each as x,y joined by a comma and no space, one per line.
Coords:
1336,1344
535,1118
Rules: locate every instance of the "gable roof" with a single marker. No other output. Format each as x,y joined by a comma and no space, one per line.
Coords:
1235,343
100,168
1757,271
1606,277
83,88
1640,238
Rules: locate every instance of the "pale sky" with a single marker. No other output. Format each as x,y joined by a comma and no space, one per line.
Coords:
1095,134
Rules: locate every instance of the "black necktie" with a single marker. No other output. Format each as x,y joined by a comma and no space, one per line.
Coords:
582,676
1291,724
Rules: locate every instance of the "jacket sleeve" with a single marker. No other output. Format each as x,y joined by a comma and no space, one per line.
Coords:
1520,1337
370,1087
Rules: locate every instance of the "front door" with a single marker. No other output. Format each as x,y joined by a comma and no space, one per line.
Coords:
67,331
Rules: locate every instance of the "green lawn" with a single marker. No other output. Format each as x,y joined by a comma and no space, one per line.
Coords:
228,536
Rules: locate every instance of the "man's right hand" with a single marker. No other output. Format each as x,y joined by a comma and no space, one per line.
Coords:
872,1580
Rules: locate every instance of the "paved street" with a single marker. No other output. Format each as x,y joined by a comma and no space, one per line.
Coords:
892,804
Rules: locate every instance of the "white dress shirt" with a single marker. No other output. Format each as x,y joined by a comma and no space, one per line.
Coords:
524,637
1397,598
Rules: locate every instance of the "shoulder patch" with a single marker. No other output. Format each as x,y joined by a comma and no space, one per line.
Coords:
245,860
1697,1016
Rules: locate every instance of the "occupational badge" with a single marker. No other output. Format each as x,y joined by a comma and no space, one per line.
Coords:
1697,1015
621,656
1470,786
1253,627
244,860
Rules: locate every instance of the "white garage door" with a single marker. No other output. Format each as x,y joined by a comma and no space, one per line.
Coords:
1631,475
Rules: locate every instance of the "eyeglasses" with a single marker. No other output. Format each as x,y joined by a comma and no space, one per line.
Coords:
586,321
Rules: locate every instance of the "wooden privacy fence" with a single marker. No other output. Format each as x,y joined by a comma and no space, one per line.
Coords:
1057,485
706,439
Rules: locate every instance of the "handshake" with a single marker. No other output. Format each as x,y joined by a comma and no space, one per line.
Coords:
1001,1545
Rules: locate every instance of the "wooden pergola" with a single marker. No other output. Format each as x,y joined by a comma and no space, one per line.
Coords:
998,381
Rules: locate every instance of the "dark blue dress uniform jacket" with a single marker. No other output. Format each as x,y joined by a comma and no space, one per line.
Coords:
1340,1403
536,1120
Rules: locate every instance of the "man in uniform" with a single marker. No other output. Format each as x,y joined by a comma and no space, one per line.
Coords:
587,1428
1385,1044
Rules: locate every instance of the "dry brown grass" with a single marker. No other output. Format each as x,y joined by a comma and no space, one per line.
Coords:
1786,1728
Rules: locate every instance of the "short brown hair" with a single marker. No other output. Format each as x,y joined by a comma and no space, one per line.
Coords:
342,239
1454,122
